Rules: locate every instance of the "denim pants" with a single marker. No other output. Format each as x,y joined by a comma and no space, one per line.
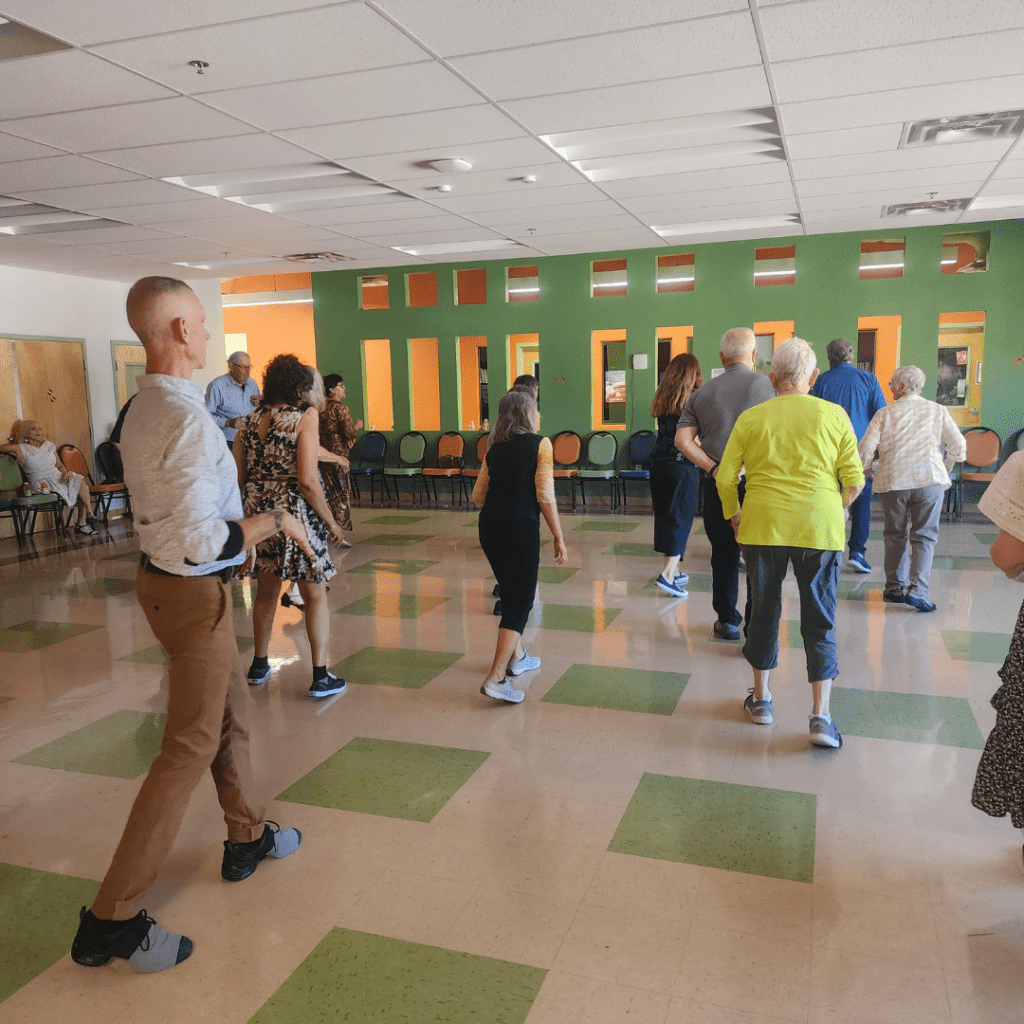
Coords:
817,576
860,519
914,512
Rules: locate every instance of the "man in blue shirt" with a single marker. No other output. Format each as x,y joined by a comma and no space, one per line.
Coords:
860,394
232,396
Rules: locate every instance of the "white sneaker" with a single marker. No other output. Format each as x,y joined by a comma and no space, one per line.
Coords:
527,663
503,691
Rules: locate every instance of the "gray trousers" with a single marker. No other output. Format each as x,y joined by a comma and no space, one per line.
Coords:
914,512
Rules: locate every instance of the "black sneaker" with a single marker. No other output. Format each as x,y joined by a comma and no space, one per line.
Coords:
242,859
497,607
496,591
328,686
138,940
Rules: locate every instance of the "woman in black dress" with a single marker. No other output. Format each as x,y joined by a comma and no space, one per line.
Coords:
516,485
675,480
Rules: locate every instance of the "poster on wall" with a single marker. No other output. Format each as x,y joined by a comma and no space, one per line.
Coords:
614,386
951,379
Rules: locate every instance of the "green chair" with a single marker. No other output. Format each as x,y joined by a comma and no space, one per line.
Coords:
602,451
23,510
412,452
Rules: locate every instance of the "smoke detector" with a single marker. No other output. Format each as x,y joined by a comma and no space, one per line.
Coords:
928,206
317,257
452,166
1003,124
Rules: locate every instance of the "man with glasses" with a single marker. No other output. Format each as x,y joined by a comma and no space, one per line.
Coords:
231,397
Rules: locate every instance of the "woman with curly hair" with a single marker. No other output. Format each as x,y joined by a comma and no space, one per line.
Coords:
276,450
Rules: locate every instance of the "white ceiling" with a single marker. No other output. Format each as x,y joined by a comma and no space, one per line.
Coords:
380,87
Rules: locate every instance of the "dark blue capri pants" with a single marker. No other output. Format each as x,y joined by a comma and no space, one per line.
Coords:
817,576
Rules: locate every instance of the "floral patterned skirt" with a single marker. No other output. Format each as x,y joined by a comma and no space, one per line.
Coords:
336,491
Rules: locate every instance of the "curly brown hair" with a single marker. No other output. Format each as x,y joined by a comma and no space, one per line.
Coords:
287,380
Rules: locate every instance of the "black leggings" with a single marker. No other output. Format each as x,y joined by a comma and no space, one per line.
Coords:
512,546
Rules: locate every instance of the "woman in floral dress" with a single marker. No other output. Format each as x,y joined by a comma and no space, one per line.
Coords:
338,434
277,455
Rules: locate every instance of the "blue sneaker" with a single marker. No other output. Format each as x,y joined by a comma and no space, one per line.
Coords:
681,579
824,733
760,711
858,563
670,587
893,597
726,630
920,603
527,663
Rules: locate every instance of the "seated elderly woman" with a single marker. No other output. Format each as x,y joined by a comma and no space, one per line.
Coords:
794,447
42,466
910,481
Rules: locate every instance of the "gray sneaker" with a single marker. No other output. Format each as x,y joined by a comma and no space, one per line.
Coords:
760,711
503,691
824,733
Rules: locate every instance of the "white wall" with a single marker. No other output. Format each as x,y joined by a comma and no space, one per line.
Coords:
45,305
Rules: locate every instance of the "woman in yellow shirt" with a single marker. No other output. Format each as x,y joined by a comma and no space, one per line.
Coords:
793,449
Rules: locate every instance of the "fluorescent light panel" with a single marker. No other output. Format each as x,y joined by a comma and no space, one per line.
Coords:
709,226
996,202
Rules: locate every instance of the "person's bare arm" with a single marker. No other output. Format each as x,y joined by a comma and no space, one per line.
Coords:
1008,554
307,449
238,451
266,524
550,512
14,450
686,441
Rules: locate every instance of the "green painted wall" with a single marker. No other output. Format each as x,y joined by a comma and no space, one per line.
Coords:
825,302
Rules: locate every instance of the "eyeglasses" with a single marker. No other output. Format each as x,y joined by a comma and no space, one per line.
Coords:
242,366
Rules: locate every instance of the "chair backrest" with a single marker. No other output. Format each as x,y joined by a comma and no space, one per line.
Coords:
482,443
451,445
74,460
412,448
109,460
1020,441
602,449
566,448
983,446
641,447
10,474
373,447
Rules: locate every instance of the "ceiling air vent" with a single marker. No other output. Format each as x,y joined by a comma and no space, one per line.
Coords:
928,206
318,257
1003,124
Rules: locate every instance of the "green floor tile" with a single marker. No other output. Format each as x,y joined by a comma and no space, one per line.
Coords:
632,549
156,655
33,636
600,526
720,825
789,634
45,906
700,583
393,606
354,976
876,535
987,538
122,745
962,562
554,574
402,566
910,717
858,590
397,540
385,777
394,520
964,645
394,666
576,618
102,587
241,597
621,689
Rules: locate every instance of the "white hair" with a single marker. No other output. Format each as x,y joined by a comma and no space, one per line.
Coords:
737,343
235,355
793,362
315,394
912,377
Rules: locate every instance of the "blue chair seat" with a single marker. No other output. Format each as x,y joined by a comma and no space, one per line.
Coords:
635,474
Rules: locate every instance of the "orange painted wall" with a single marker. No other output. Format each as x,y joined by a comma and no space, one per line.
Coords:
679,336
598,338
782,330
887,346
270,330
266,283
380,412
515,343
469,381
425,392
471,287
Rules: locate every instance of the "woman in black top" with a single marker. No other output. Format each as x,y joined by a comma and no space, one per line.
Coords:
515,486
675,481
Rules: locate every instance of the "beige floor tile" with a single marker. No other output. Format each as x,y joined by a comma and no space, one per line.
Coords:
767,907
568,999
640,885
848,988
497,812
982,970
457,854
509,925
688,1011
888,869
625,948
573,822
718,967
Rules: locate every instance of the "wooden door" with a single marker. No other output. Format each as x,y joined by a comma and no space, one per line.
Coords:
8,392
52,383
129,362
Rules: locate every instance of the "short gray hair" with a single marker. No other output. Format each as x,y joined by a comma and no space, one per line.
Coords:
839,351
235,355
793,361
736,343
911,377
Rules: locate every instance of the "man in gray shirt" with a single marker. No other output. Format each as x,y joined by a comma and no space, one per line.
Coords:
188,513
710,414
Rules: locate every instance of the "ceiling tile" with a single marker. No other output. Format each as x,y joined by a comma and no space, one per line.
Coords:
527,198
730,211
862,213
412,225
612,222
210,156
698,181
640,55
295,45
131,124
468,233
596,241
900,67
877,108
359,95
21,149
813,29
923,178
57,172
341,142
532,215
444,25
69,80
845,142
759,193
400,209
736,89
165,247
481,182
922,158
1010,168
888,196
92,236
161,213
1005,187
88,197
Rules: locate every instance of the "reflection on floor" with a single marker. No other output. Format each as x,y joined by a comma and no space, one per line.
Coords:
624,846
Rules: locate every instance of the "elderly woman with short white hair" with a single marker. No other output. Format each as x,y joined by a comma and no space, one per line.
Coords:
794,448
910,481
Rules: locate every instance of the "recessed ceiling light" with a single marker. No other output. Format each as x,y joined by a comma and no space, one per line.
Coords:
483,245
925,207
1003,124
996,202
